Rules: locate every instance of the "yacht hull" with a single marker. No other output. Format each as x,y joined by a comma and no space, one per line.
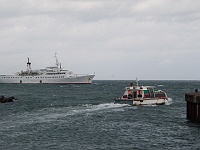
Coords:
84,79
137,102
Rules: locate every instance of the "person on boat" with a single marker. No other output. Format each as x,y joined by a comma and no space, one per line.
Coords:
130,96
125,96
131,85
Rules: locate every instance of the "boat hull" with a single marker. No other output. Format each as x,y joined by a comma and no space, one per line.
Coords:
137,102
84,79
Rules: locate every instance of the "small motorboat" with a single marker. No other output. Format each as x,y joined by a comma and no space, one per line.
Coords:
142,95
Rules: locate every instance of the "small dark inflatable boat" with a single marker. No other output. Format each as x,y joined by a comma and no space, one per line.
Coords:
7,99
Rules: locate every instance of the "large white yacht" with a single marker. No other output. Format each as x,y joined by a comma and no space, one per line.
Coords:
55,74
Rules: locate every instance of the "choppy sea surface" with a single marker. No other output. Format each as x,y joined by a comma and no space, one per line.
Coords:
72,117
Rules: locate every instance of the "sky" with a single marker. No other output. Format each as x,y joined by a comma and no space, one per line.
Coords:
115,39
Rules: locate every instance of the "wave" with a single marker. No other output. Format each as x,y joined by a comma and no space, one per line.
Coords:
169,102
93,108
53,114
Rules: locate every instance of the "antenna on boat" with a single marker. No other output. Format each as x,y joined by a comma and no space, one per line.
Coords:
137,82
57,63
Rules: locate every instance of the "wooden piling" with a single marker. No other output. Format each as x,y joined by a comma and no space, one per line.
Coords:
193,106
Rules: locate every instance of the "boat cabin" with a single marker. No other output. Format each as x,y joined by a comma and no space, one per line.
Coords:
143,92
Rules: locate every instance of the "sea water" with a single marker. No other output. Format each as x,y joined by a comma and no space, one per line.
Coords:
72,117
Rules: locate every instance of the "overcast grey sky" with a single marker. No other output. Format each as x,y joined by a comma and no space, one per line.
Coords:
147,39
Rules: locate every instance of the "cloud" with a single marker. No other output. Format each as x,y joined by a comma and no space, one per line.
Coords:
102,36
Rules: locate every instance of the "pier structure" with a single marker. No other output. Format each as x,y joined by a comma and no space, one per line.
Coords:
193,106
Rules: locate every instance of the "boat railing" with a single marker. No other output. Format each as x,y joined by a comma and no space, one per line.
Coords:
81,74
